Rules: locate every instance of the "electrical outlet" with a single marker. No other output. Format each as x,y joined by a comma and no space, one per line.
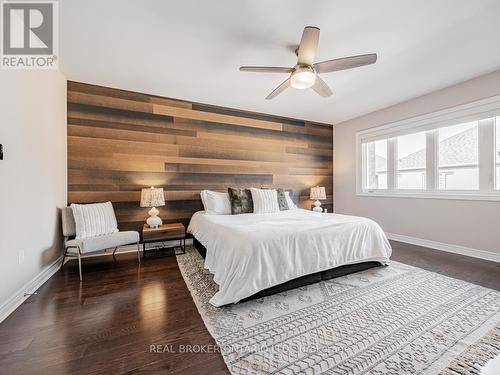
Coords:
20,256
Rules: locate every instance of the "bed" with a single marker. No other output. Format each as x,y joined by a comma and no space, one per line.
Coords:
251,255
254,254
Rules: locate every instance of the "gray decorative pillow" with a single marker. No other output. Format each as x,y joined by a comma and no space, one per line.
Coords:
282,200
241,201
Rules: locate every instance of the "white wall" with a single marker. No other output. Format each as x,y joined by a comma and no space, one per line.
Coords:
470,224
32,177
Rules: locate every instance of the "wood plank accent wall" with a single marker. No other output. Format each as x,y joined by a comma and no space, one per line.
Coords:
121,141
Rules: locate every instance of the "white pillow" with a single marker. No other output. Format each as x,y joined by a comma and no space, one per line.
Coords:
215,203
265,201
289,202
95,219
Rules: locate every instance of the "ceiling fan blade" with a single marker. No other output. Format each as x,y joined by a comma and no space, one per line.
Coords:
345,63
308,45
321,87
265,69
278,90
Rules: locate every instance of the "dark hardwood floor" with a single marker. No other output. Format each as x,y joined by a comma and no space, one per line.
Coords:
108,324
473,270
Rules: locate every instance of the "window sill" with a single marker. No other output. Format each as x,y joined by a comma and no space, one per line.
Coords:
434,195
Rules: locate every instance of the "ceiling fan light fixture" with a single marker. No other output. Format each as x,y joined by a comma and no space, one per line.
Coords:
308,74
303,78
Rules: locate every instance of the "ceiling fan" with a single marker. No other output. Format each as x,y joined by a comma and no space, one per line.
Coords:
305,73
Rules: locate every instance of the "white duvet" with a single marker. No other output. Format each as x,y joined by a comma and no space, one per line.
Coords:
251,252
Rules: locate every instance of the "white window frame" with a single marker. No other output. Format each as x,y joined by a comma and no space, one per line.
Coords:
484,111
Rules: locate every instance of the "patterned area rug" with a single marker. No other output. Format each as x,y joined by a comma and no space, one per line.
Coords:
387,320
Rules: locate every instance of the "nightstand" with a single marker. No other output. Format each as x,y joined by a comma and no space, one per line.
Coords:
165,232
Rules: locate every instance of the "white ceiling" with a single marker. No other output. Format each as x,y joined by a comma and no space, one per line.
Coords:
191,50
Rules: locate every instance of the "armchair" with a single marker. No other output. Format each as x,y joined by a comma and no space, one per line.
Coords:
77,247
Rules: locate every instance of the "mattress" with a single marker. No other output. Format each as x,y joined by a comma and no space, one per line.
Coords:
249,253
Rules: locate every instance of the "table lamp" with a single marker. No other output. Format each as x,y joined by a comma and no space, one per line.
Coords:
318,193
153,197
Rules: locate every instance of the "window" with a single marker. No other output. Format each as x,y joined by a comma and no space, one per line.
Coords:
376,165
497,153
411,157
458,157
450,154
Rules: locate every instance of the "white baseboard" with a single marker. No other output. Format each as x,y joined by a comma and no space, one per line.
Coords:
31,286
450,248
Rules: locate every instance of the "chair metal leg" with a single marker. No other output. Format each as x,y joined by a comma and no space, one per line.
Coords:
64,256
138,251
114,251
80,264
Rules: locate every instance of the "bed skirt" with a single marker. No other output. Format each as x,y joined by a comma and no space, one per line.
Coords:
300,281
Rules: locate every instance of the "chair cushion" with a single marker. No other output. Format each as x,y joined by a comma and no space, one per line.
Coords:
94,219
90,244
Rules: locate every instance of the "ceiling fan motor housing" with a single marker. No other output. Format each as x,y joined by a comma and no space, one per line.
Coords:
302,77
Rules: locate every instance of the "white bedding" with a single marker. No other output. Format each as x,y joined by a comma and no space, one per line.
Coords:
251,252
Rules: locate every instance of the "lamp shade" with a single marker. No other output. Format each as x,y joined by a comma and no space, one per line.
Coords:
152,197
318,192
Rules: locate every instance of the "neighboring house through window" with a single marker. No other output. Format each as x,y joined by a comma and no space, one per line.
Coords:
458,157
411,151
452,153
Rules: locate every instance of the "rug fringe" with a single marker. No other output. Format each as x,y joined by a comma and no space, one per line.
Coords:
471,360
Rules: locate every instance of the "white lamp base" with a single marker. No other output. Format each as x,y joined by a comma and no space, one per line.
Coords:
153,220
317,206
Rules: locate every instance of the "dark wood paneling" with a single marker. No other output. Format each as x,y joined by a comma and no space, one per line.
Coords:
121,141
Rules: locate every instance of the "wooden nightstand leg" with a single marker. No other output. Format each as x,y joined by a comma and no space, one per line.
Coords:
139,251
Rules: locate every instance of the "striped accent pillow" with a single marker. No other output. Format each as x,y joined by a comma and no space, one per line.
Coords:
95,219
265,201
